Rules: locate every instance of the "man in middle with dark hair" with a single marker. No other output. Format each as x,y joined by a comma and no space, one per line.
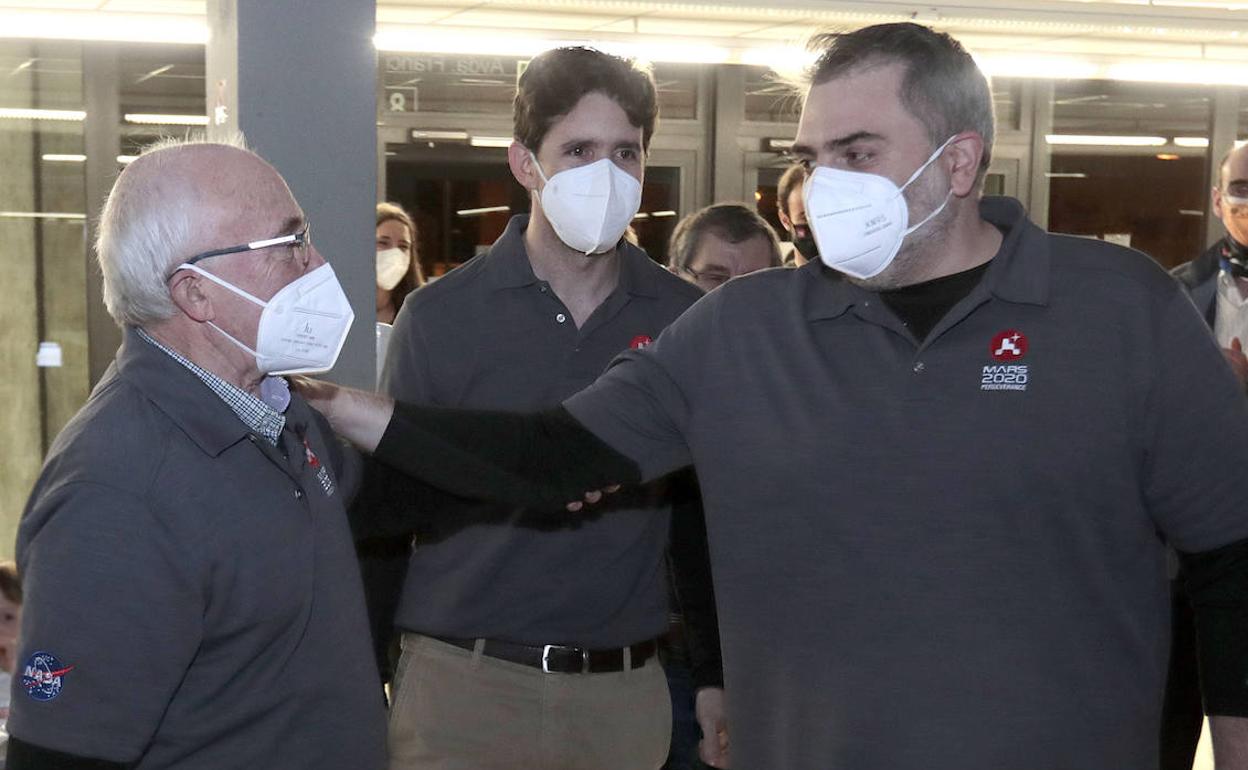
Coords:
530,640
720,242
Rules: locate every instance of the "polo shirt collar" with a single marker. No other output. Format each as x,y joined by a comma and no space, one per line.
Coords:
509,267
176,391
1018,273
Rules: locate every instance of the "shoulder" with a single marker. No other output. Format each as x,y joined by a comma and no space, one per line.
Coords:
1198,271
757,291
119,438
449,288
660,281
1089,262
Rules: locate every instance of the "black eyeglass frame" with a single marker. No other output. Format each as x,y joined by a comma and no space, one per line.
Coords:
717,278
298,239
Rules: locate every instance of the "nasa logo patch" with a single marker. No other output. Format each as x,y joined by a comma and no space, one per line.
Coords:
43,676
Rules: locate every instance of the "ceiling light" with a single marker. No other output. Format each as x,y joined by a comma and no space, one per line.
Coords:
1167,156
53,157
1191,141
40,215
491,141
166,120
423,135
127,159
657,214
1105,141
480,211
112,26
22,113
1065,175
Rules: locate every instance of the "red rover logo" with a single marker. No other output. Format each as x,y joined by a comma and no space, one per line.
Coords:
1007,348
639,342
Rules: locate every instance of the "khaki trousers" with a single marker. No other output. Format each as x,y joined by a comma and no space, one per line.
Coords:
456,709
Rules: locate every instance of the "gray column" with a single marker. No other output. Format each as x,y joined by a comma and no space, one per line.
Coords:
1039,158
728,160
101,143
1222,135
299,79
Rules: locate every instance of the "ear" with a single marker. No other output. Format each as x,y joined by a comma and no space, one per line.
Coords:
784,220
522,166
1215,197
963,154
186,288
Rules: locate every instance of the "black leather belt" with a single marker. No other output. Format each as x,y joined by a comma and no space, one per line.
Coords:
558,659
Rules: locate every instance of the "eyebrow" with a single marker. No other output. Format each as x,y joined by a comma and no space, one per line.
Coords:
572,143
291,225
836,144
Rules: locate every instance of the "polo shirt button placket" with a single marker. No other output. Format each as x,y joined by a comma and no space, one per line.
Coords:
298,494
919,367
561,318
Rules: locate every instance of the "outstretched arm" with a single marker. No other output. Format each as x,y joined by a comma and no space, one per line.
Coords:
540,460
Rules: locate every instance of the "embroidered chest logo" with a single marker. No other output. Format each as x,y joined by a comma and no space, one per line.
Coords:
639,342
1007,349
43,676
322,473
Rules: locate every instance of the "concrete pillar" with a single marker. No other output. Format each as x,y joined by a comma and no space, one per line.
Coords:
299,80
102,143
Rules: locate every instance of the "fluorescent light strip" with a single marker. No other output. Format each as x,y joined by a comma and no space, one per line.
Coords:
1191,141
97,25
165,120
1065,175
444,136
663,214
478,212
127,159
40,215
1088,140
53,157
23,113
491,141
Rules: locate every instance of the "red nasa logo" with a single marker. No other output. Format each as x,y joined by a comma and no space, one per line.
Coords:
1008,345
639,342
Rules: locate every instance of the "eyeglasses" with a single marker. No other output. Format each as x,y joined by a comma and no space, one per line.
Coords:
711,277
296,240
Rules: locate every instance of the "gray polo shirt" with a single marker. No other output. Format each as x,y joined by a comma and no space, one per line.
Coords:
192,594
966,568
490,335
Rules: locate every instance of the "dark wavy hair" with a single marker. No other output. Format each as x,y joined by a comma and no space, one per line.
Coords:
555,80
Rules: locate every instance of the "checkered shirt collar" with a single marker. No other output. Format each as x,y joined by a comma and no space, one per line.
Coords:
259,417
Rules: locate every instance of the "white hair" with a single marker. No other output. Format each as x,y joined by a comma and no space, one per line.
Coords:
146,228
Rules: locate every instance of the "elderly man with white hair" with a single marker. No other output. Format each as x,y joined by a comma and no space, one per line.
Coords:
192,594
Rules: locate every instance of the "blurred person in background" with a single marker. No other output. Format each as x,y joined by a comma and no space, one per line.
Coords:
10,622
1217,282
720,242
398,270
708,248
792,211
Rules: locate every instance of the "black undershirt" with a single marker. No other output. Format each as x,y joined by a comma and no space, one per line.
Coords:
921,306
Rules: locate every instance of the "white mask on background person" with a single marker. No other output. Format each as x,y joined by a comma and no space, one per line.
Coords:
590,206
302,328
859,220
392,265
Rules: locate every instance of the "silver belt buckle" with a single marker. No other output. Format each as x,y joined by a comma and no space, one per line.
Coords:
546,648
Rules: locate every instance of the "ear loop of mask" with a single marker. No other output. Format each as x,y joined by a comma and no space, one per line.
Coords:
915,176
540,172
236,290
